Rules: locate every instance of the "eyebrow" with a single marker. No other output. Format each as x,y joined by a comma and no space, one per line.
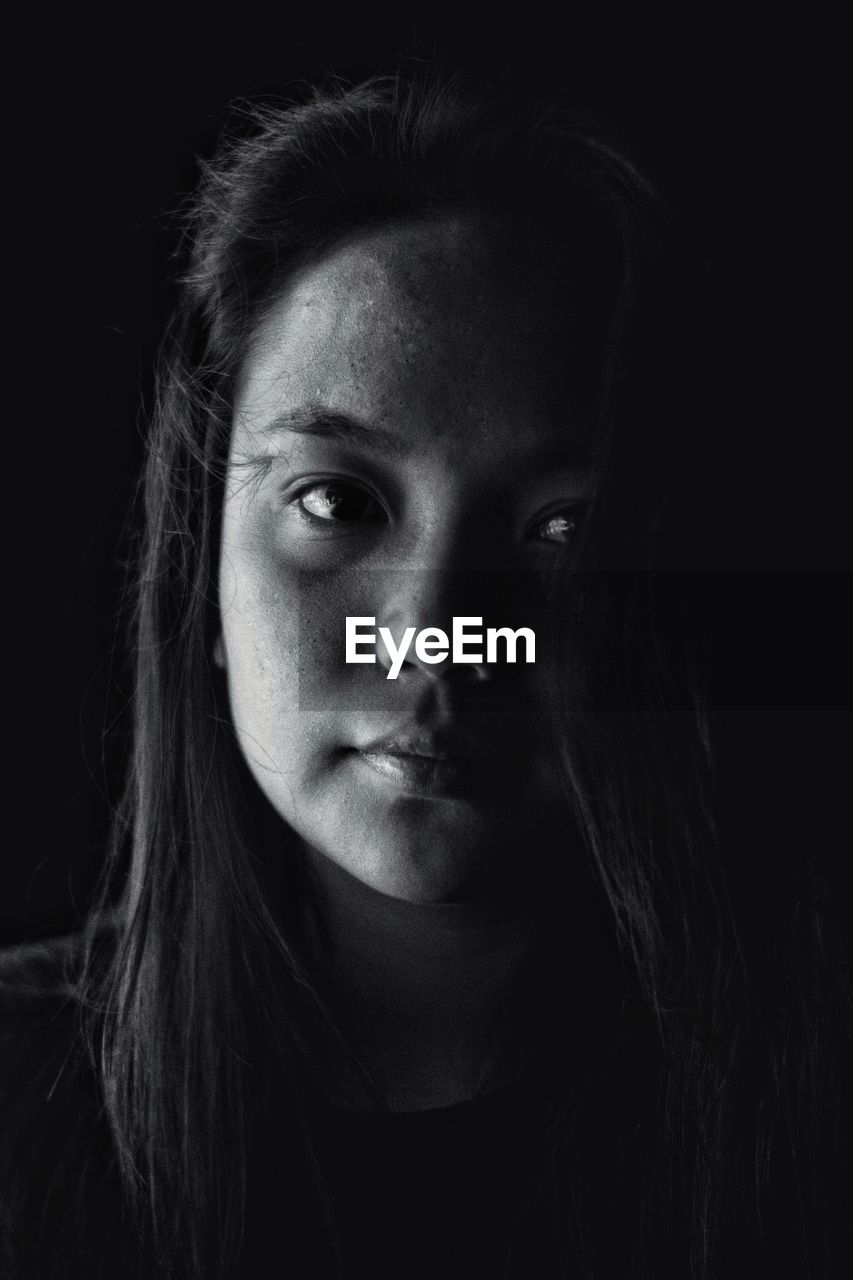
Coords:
331,425
327,424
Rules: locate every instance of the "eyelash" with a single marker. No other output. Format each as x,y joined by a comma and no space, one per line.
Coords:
573,513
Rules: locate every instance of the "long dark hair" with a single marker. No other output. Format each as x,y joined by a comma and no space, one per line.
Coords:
199,978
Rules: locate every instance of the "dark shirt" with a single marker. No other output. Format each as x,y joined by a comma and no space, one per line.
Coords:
448,1192
443,1191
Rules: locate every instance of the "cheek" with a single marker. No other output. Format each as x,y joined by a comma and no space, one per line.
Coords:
284,633
259,629
327,682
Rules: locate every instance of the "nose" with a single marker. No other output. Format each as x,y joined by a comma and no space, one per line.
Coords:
431,598
460,567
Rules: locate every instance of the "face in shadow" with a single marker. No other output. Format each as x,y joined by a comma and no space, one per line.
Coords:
410,445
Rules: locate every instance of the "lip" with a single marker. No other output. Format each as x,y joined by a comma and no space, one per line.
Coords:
441,760
433,775
438,745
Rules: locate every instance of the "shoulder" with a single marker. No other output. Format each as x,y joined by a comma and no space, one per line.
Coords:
40,1007
34,972
43,1044
39,1003
39,978
44,1073
54,1138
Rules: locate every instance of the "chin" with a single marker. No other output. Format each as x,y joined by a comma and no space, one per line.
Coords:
431,881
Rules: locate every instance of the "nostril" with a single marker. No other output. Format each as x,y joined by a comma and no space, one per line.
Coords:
470,672
434,651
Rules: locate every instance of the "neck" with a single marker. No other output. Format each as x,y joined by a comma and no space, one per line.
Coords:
419,990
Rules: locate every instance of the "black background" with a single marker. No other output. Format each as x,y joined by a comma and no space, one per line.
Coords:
737,122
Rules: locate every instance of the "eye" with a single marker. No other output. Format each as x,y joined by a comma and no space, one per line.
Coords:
561,527
332,502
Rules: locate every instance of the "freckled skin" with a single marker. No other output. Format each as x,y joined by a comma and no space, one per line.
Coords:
458,341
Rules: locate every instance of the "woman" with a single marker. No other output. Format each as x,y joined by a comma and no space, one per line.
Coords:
411,966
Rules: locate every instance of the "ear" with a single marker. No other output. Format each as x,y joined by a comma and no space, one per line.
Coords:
218,652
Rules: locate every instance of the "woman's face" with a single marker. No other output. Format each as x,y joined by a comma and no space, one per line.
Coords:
408,446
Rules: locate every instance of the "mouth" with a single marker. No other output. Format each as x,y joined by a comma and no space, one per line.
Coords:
438,745
443,774
446,759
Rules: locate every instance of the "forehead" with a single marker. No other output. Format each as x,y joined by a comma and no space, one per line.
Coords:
450,330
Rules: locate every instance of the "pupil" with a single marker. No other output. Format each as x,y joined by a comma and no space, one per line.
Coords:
560,524
337,498
332,497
